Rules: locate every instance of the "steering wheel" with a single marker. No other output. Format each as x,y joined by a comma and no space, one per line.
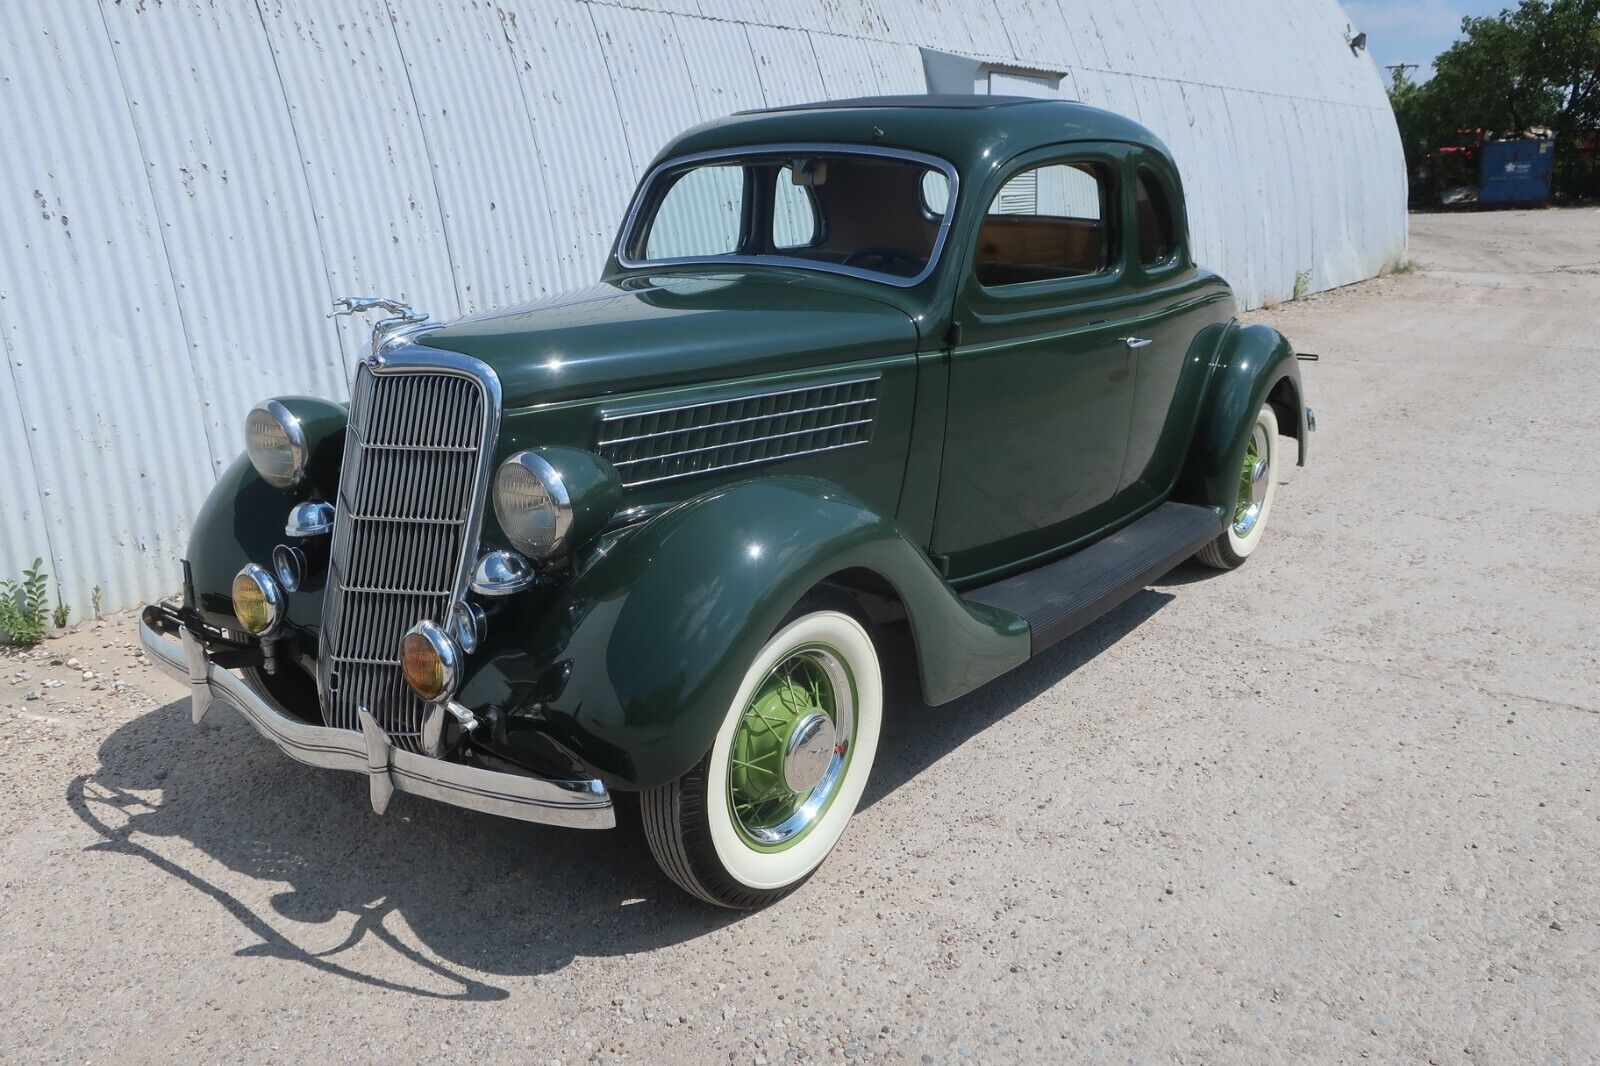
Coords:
886,258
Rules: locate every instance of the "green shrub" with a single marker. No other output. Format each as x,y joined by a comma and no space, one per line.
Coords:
1302,284
24,611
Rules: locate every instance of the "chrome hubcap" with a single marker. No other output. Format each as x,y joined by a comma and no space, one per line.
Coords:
1253,483
791,747
810,752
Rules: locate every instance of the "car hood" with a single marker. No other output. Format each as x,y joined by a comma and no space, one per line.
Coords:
678,329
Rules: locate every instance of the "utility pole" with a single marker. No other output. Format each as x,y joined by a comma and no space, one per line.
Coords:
1398,70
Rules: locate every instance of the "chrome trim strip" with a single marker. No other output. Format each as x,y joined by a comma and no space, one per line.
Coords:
736,421
769,402
580,804
945,167
747,462
618,416
754,440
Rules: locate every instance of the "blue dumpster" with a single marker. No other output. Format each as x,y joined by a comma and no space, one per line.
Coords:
1517,172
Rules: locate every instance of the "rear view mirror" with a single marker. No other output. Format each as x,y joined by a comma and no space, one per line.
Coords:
809,172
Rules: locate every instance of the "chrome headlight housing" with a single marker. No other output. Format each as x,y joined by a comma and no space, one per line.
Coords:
275,439
550,499
257,600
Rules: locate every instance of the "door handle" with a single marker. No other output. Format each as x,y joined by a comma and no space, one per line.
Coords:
1137,342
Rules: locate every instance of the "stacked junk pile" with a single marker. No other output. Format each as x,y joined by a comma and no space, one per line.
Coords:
1492,169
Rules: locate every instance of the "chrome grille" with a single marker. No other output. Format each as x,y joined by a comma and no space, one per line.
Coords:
661,444
410,502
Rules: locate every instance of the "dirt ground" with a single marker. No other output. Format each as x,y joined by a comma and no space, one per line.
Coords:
1339,804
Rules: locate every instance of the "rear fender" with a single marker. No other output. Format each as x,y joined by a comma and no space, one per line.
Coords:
1254,364
633,668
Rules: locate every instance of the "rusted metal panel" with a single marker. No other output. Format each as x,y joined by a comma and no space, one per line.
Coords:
786,65
234,207
584,157
649,77
721,65
483,156
366,159
110,410
846,66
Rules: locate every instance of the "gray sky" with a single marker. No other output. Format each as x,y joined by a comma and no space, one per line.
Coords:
1414,31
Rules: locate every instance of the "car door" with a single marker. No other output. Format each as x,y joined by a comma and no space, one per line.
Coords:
1040,380
1180,309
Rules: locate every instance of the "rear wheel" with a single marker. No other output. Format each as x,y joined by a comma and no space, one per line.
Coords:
1253,504
757,816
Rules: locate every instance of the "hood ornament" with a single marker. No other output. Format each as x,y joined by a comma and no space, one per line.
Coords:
403,323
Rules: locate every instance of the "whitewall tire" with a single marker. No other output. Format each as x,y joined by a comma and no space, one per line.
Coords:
1258,485
758,815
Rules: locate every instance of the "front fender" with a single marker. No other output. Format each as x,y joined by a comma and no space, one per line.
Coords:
243,517
633,669
241,522
1255,363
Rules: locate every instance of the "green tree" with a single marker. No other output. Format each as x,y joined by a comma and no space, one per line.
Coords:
1537,64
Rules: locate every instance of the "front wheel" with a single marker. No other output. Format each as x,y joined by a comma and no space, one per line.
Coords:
756,817
1257,486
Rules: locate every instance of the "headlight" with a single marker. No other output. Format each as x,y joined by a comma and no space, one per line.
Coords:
276,441
550,499
257,600
531,501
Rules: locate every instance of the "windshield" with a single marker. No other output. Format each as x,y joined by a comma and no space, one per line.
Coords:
884,216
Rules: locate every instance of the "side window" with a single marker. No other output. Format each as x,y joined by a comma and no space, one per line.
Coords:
1158,233
699,215
1048,222
794,213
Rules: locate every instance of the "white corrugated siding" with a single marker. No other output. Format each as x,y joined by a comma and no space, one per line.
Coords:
186,185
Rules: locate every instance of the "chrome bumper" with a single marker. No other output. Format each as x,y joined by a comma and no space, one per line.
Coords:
580,804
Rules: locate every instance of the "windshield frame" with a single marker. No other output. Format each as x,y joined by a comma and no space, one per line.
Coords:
645,191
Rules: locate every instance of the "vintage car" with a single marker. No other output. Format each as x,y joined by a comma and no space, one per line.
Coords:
936,367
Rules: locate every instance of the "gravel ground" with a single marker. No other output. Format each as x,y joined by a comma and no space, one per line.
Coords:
1339,804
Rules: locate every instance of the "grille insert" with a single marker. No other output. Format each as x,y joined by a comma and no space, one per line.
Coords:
409,506
663,444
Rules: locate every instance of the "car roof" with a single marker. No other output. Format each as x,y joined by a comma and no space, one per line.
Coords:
968,130
957,101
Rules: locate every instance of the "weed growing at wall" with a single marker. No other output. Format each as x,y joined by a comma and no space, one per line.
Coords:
24,613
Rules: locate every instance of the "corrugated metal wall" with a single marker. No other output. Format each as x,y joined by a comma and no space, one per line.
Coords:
185,185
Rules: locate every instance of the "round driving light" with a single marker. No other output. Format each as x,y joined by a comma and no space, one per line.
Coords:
289,564
430,661
531,502
257,600
276,443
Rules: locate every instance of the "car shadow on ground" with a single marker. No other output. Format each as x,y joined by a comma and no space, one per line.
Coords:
452,893
915,736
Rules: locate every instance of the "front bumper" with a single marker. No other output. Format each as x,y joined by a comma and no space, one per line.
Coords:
580,804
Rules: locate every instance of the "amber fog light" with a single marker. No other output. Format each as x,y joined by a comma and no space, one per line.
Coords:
257,600
430,661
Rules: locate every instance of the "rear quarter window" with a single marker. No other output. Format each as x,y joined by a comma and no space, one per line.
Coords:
1158,231
1048,222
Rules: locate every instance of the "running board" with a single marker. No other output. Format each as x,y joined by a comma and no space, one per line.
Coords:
1060,598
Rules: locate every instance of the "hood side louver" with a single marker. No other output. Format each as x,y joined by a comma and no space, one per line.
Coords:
657,444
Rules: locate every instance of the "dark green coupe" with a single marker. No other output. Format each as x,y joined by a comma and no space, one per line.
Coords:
940,366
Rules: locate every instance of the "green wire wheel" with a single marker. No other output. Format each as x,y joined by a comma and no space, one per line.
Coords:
791,747
767,804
